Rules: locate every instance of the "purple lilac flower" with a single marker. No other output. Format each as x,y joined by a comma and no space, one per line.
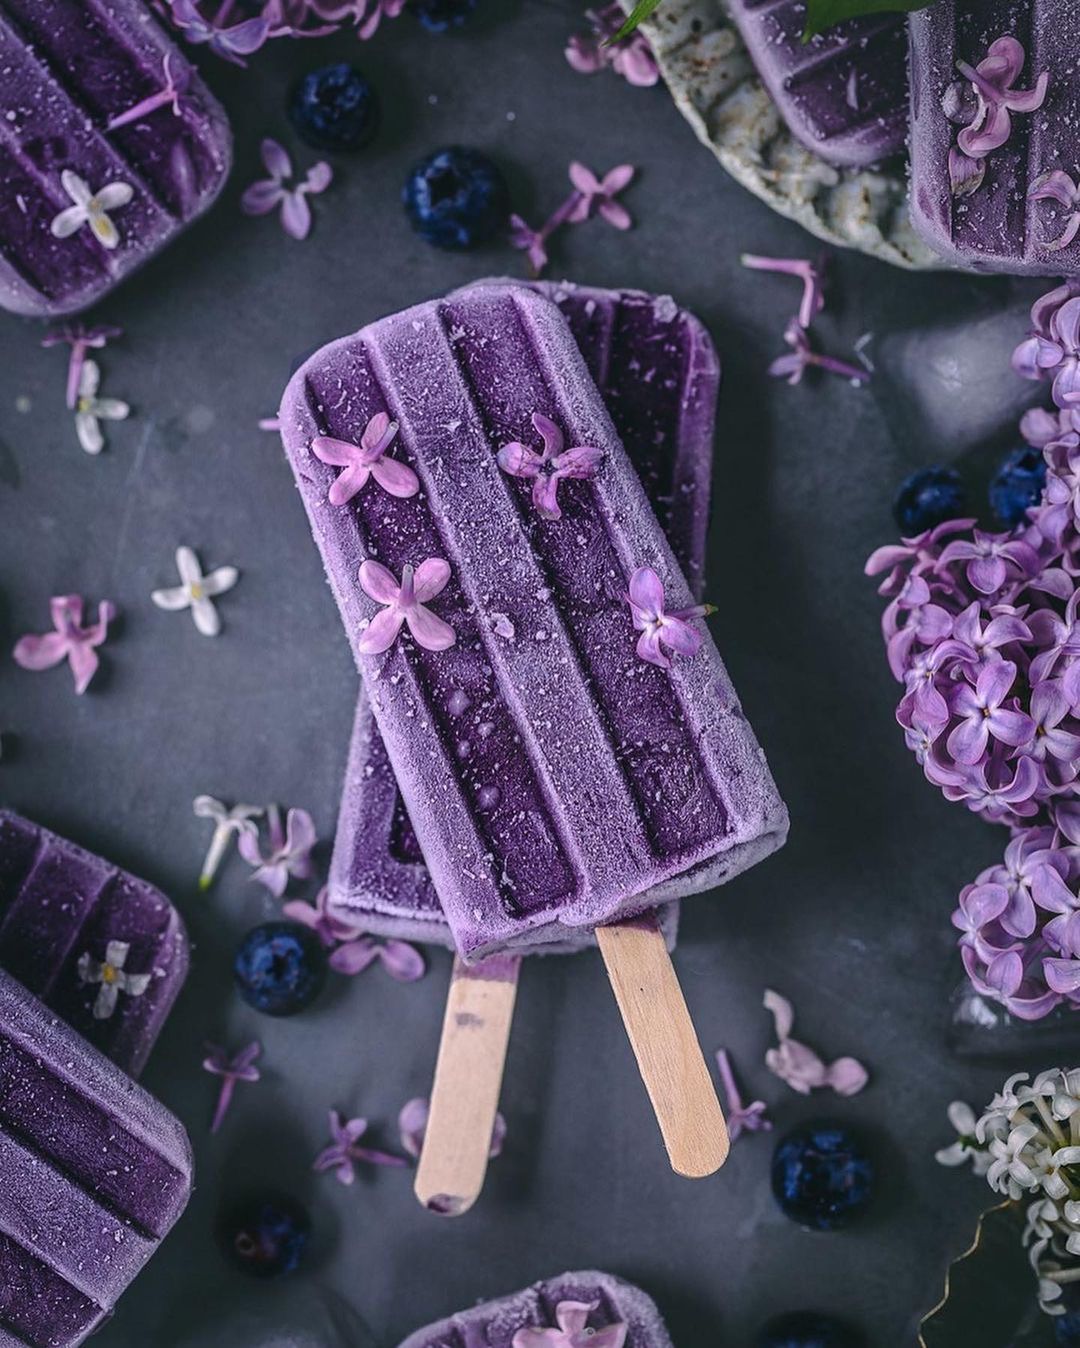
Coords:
81,340
405,604
986,105
352,949
171,94
740,1118
571,1330
810,273
240,1067
631,57
232,42
657,626
290,850
591,196
1052,350
367,459
1058,187
802,357
70,640
798,1065
344,1151
268,193
547,468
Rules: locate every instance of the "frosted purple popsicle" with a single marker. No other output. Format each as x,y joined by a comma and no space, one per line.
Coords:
995,134
658,373
843,93
102,949
110,144
617,1313
93,1174
554,777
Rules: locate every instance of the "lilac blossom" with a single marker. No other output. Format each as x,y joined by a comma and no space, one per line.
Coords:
232,42
366,460
405,604
344,1152
231,1070
657,626
631,57
289,856
986,106
1052,350
740,1118
352,949
80,340
813,297
799,1066
171,94
268,193
547,468
413,1122
1057,186
992,559
590,196
986,710
70,640
803,357
571,1330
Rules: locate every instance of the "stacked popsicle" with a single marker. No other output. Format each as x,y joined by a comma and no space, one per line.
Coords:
557,778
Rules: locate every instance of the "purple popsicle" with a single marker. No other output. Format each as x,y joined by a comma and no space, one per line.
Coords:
658,373
110,144
555,778
102,949
93,1174
608,1310
843,93
995,134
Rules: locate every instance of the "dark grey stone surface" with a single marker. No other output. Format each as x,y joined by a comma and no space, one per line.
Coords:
851,920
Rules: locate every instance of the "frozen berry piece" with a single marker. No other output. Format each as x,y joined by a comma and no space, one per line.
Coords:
928,498
438,16
1017,485
822,1177
456,198
280,968
334,108
266,1235
807,1329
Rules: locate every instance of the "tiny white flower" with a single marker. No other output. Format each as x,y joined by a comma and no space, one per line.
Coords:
197,591
1010,1171
91,208
90,410
226,823
110,974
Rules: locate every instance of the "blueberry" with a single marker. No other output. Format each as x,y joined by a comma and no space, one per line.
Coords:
930,496
280,968
439,15
456,198
821,1176
334,108
807,1329
1017,485
1067,1330
265,1234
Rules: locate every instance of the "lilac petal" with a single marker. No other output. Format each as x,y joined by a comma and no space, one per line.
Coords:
1005,973
1054,186
550,434
336,453
1011,727
429,630
412,1124
984,903
319,178
1033,99
1050,891
1065,325
545,496
276,159
402,961
261,197
518,460
349,483
396,478
994,681
1072,228
782,1012
1020,918
84,663
40,652
790,367
244,39
381,633
584,179
680,636
300,832
378,433
648,648
1062,975
967,741
846,1076
987,574
584,56
581,461
966,173
430,579
616,214
378,583
354,956
646,590
295,215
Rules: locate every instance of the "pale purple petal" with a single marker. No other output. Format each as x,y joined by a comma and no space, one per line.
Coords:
378,582
429,630
276,159
381,633
396,478
261,197
430,579
295,215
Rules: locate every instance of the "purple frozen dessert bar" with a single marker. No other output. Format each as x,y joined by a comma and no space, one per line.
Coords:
93,1174
110,144
105,951
556,775
610,1312
843,93
659,375
995,134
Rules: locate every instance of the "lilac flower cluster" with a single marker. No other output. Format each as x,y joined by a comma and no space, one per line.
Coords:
230,29
982,630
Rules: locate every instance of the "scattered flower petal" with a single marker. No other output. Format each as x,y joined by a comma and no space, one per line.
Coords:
91,410
269,193
197,592
813,298
367,459
227,823
740,1118
344,1152
111,977
289,857
239,1067
548,467
70,640
405,604
657,626
799,1066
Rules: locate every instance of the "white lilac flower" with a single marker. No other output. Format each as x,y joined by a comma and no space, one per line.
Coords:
227,822
197,591
91,411
965,1148
113,979
91,208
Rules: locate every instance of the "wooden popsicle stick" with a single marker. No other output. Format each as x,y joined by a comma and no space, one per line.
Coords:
666,1046
468,1078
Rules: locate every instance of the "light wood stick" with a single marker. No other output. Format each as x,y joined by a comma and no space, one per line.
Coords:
666,1046
468,1077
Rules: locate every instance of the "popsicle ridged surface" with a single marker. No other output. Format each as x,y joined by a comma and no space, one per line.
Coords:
553,776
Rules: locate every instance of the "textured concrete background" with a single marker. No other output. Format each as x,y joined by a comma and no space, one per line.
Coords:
851,920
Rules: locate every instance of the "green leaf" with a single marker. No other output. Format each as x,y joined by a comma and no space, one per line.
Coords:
638,14
822,14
